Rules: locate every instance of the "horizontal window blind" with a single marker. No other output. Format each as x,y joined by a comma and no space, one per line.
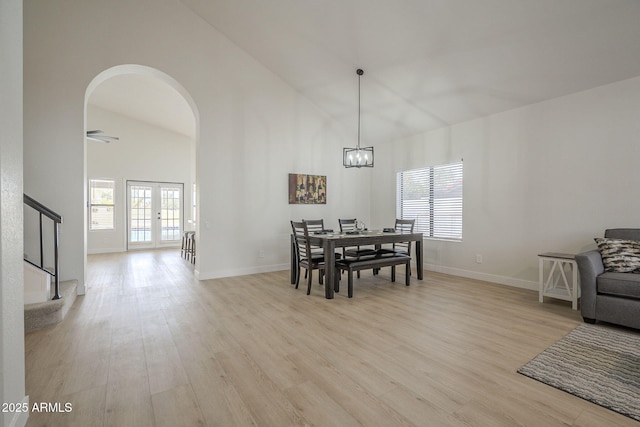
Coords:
101,214
433,197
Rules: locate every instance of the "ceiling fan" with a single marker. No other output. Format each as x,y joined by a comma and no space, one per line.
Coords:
96,135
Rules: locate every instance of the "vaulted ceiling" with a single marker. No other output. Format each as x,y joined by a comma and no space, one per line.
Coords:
432,63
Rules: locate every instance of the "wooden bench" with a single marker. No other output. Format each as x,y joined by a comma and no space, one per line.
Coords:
375,263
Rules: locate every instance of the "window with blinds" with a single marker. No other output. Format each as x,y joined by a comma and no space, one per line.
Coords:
433,197
101,204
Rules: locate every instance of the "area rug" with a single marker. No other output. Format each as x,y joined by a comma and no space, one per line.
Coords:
597,363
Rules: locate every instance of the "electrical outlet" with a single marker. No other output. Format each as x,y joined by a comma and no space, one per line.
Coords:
479,258
261,253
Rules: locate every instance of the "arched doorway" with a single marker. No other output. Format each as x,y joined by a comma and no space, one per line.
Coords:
156,121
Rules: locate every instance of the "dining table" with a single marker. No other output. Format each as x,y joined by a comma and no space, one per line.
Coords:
330,241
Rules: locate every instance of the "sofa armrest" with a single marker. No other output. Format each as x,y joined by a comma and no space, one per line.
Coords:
590,267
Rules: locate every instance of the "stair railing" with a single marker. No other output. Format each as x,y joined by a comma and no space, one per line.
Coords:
57,219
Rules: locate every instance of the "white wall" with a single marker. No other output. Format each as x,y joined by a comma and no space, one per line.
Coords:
143,153
546,177
253,128
12,369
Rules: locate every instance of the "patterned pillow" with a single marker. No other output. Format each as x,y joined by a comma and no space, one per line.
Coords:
620,256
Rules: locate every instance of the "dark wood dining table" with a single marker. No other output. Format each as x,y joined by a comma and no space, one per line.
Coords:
331,241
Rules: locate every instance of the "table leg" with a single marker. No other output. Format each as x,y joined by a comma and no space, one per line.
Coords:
419,258
330,268
574,302
540,280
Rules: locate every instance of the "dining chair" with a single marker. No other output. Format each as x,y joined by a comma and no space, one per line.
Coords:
184,248
401,248
314,226
188,250
305,257
349,225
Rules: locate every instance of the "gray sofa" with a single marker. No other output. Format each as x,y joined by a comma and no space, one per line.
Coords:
609,296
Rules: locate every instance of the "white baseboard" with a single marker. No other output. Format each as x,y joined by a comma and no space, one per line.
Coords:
105,251
240,271
119,250
502,280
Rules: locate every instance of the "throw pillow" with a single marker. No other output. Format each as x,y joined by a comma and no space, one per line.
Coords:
618,255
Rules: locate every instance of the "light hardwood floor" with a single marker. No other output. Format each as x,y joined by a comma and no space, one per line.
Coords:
149,345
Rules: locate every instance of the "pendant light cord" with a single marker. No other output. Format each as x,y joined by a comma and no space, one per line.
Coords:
360,73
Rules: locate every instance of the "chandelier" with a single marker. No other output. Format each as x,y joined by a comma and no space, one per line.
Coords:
358,157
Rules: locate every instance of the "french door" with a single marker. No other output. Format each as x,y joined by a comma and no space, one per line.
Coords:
154,214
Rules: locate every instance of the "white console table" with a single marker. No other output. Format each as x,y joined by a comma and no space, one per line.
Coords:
554,283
